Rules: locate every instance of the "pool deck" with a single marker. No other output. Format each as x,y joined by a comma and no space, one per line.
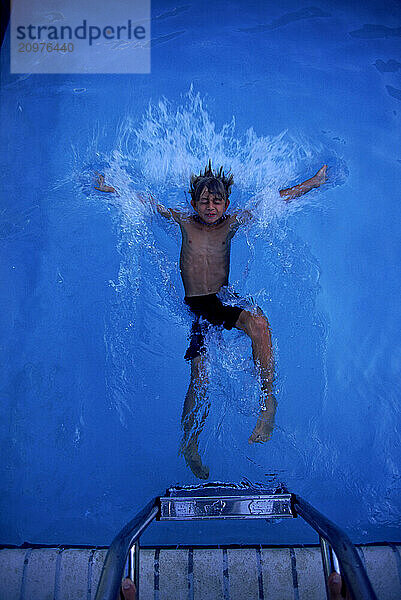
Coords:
191,573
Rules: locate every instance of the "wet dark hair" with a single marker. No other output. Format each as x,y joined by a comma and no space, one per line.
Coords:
216,182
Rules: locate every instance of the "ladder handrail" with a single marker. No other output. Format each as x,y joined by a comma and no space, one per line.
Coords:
352,568
113,568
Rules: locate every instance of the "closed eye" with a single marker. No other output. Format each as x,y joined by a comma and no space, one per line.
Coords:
217,200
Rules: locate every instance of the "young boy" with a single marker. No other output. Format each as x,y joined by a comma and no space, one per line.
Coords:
204,266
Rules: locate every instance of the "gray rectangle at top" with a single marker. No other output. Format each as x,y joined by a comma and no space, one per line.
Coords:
80,36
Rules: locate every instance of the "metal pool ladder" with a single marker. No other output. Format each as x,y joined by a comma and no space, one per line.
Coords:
228,501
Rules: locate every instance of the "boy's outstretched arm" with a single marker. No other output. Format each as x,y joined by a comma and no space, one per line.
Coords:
238,219
167,213
302,188
244,217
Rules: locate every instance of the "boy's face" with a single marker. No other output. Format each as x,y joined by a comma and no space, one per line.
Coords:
210,206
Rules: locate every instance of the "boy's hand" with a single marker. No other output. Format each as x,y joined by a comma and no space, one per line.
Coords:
101,185
302,188
321,176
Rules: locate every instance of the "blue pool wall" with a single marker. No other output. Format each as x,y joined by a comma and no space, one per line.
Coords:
88,435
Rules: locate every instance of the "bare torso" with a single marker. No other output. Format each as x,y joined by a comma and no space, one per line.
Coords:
205,254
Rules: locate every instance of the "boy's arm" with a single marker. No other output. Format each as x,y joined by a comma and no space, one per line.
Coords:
302,188
167,213
244,217
240,218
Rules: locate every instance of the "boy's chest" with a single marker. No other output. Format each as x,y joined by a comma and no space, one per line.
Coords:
198,238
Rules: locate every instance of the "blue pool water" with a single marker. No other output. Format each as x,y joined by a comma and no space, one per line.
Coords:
93,326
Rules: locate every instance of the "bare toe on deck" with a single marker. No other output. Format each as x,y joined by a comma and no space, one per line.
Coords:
128,589
194,462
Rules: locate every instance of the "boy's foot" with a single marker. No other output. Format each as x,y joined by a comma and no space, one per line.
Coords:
101,185
263,430
194,461
265,423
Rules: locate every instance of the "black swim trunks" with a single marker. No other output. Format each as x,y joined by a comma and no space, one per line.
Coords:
209,310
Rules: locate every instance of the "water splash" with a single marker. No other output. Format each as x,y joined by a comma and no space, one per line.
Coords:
157,154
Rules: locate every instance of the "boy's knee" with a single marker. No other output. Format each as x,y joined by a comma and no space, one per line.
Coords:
258,326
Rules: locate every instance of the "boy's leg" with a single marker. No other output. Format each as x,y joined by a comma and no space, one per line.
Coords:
257,328
195,411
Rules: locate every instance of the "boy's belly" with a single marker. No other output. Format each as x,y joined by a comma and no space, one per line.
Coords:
203,281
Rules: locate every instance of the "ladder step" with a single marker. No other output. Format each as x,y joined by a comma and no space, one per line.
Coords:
246,506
